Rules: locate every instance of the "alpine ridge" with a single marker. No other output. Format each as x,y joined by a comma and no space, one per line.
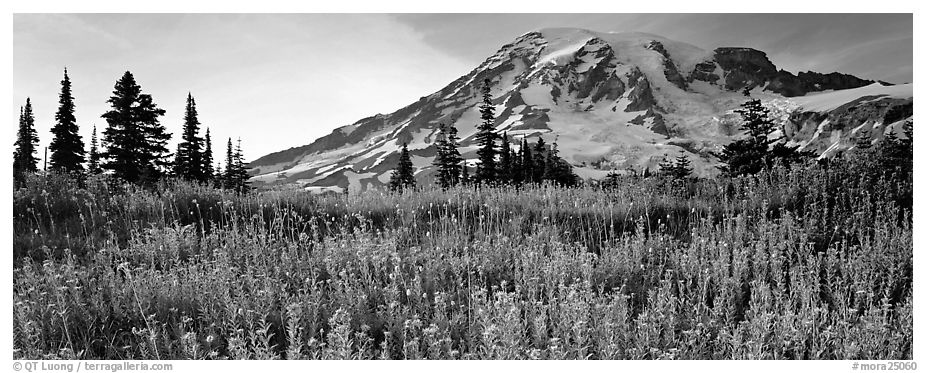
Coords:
610,101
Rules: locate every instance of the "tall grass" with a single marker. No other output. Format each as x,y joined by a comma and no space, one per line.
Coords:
791,264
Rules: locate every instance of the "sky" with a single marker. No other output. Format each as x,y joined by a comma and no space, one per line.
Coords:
282,80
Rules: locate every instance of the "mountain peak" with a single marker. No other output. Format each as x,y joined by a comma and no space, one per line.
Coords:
612,101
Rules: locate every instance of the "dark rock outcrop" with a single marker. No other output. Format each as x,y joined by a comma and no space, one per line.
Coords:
669,68
641,94
747,67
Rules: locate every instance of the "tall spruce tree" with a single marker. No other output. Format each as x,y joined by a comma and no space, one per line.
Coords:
189,159
485,137
539,155
240,172
208,169
67,147
448,157
403,177
504,168
135,140
93,159
527,162
27,140
755,152
228,175
748,156
681,169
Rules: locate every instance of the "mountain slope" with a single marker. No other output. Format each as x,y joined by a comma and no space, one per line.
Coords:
611,101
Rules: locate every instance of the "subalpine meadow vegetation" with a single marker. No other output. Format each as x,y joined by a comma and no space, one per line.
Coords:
785,258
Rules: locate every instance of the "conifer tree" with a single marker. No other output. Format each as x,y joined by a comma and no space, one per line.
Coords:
93,159
464,174
403,177
208,169
240,171
448,157
135,140
504,168
527,162
539,155
863,140
666,166
67,147
681,169
485,137
557,170
189,163
27,140
515,171
749,155
228,176
219,177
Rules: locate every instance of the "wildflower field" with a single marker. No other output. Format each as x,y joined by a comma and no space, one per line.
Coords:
809,263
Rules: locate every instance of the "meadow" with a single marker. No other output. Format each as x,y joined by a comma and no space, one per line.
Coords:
804,263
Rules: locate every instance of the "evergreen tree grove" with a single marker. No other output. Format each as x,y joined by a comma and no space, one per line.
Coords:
403,177
135,140
67,147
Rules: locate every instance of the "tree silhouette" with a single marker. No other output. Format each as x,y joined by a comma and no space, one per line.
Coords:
403,177
27,140
135,140
189,163
485,137
67,147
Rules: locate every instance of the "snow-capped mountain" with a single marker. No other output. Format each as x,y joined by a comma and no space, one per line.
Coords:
610,101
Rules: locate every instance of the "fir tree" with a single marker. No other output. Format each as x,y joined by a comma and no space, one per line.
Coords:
863,140
67,147
515,172
485,137
189,159
403,177
448,157
240,171
135,140
228,175
749,155
539,155
681,169
464,174
557,170
93,159
208,170
611,180
666,167
27,140
504,168
527,162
